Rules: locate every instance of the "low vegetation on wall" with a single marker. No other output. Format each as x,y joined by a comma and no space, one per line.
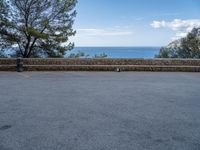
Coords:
84,55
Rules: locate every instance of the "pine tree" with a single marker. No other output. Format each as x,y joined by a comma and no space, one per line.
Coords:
37,28
187,47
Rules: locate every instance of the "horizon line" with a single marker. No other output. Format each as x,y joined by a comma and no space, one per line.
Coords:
118,46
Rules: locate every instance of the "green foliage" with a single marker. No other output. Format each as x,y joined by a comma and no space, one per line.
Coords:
78,55
37,28
167,53
83,55
34,33
103,55
2,55
188,47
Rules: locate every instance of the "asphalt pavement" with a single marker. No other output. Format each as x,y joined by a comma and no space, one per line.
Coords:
99,111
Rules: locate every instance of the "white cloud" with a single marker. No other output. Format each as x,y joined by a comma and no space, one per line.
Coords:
158,24
103,32
180,27
111,36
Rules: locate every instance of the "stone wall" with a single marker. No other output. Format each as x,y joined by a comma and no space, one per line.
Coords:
53,64
7,64
168,62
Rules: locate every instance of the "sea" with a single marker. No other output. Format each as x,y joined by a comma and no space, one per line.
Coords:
118,52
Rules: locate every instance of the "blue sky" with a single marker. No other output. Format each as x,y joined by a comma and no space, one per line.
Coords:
134,22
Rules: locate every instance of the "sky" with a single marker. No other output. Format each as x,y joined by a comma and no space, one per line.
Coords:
134,22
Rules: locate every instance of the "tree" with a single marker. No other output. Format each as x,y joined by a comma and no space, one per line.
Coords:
188,47
2,55
37,28
168,52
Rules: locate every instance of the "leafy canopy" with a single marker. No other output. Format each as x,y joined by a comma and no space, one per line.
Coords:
188,47
37,28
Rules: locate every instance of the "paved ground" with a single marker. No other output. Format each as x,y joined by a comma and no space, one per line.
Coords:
99,111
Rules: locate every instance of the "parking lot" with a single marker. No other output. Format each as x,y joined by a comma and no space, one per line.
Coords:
99,111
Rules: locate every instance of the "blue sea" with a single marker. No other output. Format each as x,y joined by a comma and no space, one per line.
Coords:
119,52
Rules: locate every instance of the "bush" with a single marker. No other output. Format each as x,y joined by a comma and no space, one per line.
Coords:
103,55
